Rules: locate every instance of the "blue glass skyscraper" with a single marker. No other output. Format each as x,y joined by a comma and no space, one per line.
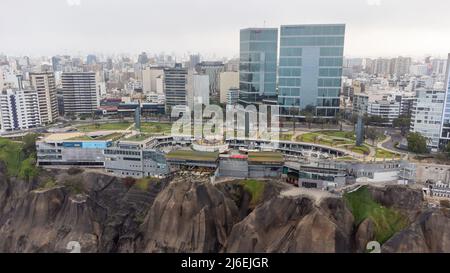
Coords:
258,64
310,68
445,123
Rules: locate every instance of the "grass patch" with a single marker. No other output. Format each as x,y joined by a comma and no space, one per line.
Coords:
286,136
255,188
342,134
156,128
387,221
346,158
75,186
49,184
265,157
308,137
104,126
193,155
364,150
144,183
17,163
139,137
381,153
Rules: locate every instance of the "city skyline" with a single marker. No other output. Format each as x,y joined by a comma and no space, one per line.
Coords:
375,28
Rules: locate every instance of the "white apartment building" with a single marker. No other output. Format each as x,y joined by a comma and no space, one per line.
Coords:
227,80
388,110
427,114
232,96
44,84
19,109
152,79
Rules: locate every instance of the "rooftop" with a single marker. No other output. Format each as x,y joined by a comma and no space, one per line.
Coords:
193,155
273,157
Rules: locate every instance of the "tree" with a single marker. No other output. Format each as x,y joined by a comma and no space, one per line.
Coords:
372,134
309,119
403,123
309,113
417,143
294,112
29,145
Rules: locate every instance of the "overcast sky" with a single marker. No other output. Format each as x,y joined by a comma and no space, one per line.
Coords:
374,27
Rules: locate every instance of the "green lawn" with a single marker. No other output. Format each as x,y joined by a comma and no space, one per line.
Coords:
328,138
286,136
139,137
344,158
193,155
104,126
387,221
381,153
265,157
360,149
308,137
17,164
156,128
342,134
255,188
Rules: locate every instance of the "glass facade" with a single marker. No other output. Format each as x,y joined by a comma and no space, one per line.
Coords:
258,64
310,68
445,126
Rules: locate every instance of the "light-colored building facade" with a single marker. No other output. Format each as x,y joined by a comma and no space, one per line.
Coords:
228,79
79,92
388,110
128,159
44,84
150,76
19,109
426,115
232,96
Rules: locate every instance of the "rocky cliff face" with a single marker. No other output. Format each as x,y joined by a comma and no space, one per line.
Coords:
189,214
429,233
294,224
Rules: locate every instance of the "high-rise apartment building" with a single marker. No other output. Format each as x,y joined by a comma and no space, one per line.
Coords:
310,68
175,80
44,84
258,64
79,92
19,109
400,66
